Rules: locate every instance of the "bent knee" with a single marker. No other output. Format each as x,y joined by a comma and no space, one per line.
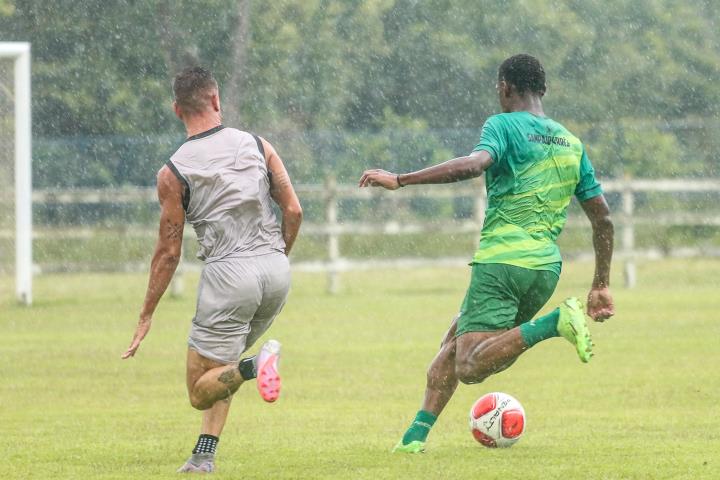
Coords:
468,373
198,402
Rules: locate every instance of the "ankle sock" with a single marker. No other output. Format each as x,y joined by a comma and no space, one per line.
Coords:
420,427
540,329
247,367
206,444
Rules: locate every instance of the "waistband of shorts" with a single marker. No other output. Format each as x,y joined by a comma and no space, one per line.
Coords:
243,255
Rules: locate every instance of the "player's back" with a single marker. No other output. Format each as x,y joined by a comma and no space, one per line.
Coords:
227,194
537,167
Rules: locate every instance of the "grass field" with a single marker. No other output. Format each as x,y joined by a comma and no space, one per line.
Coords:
646,407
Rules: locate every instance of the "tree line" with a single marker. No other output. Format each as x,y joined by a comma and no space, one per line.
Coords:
339,85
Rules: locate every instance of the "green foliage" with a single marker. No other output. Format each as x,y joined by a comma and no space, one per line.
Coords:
7,8
400,144
637,79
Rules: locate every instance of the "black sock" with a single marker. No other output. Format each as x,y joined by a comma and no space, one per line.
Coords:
247,368
206,444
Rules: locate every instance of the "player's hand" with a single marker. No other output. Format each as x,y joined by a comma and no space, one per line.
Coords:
600,304
142,329
379,178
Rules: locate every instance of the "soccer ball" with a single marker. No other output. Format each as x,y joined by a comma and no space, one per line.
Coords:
497,420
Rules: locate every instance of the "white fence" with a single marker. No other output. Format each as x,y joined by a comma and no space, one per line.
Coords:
625,219
333,227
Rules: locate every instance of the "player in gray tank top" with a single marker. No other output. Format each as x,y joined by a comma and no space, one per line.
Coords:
223,182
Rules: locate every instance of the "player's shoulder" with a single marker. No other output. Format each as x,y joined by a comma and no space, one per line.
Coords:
510,116
559,129
504,120
216,137
169,179
494,124
236,132
241,137
498,118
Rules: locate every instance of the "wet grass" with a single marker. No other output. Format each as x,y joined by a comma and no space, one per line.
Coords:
354,363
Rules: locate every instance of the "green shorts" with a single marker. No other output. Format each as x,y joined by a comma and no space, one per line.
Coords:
503,296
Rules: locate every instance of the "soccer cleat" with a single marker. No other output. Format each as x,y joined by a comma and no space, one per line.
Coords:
416,446
268,378
198,463
572,326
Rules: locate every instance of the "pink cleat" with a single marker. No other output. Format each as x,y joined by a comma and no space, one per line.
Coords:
268,378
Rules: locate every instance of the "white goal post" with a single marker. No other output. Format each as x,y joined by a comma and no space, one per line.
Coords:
20,53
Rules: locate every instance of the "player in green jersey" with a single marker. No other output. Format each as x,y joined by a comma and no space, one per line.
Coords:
533,166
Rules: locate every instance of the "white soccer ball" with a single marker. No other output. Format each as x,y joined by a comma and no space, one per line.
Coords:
497,420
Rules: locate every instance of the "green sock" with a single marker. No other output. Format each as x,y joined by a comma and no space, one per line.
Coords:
541,328
420,427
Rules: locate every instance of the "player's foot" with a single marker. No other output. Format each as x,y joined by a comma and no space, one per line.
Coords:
573,327
268,378
416,446
199,463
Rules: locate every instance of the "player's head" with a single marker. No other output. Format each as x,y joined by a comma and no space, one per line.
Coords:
196,92
520,75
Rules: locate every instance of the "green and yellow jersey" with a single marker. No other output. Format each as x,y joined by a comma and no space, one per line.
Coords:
538,165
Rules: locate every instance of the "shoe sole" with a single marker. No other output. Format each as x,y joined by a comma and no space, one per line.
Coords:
268,380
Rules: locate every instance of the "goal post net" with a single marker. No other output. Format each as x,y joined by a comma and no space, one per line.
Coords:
19,54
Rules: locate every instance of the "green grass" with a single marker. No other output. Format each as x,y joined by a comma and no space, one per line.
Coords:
354,366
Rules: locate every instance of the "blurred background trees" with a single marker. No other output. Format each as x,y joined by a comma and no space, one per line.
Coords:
344,85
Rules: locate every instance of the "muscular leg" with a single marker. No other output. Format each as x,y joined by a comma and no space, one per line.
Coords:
214,417
209,381
441,378
481,354
441,384
210,387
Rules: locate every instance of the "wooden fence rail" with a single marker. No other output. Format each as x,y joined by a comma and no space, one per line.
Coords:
331,194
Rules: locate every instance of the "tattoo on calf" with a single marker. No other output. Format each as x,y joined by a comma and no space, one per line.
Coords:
228,376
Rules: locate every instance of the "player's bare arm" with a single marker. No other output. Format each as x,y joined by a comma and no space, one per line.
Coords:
284,195
600,303
455,170
167,252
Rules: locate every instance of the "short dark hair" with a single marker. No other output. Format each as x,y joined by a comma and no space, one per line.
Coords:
524,72
192,88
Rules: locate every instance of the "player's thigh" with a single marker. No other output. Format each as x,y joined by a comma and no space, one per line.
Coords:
491,301
469,349
228,297
536,295
275,273
468,343
197,365
450,333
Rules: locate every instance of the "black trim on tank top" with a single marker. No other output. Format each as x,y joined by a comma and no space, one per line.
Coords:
206,133
186,189
260,146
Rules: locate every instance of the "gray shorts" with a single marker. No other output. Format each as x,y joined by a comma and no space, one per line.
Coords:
238,299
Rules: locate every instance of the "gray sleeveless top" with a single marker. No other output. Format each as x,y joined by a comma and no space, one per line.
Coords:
227,194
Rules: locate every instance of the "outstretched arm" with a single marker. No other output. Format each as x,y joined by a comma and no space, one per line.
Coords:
284,195
454,170
600,303
167,252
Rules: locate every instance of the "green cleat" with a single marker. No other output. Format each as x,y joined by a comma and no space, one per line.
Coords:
573,327
415,446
